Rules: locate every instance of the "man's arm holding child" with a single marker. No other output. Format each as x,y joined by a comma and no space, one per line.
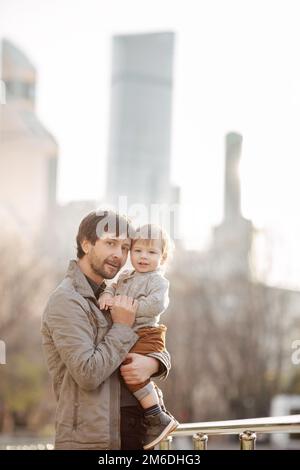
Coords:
142,367
89,364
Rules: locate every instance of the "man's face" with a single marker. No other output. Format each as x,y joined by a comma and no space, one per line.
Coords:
108,255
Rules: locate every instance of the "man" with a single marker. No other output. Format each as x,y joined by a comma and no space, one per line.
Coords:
84,346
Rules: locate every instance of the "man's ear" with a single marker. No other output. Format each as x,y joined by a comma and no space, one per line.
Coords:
85,245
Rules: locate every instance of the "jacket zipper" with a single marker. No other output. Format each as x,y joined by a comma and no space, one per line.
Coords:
76,404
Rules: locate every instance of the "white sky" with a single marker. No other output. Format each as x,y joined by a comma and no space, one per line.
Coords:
237,67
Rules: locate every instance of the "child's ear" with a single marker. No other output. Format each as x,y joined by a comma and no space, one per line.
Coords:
163,259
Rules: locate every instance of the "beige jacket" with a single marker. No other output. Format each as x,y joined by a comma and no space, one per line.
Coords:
83,351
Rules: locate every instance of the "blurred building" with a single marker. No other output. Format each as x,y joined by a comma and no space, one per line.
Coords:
232,239
227,304
28,152
230,251
140,121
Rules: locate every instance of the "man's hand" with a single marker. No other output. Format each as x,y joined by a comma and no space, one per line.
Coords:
106,301
123,310
139,369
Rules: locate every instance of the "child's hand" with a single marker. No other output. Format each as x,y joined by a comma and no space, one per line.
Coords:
106,301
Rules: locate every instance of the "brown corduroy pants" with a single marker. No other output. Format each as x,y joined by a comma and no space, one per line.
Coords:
151,339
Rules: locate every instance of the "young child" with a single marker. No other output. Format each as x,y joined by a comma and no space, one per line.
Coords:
146,284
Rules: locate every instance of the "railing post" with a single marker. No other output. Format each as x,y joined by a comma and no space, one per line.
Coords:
247,440
200,441
166,444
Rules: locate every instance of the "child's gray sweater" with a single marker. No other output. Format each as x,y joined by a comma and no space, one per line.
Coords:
151,290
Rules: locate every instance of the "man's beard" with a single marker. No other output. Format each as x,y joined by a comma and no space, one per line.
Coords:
103,271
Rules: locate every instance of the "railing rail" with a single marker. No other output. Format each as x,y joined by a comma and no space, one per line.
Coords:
245,428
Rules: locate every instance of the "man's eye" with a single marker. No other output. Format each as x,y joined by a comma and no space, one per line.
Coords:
125,248
111,243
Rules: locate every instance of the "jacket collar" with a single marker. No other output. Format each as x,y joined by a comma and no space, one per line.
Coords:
80,282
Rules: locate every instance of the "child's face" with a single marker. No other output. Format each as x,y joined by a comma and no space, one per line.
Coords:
146,255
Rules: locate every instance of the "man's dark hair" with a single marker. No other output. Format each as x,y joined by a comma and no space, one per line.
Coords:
93,226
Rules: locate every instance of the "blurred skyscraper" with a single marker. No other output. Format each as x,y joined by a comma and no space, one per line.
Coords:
28,152
140,121
230,252
232,189
233,237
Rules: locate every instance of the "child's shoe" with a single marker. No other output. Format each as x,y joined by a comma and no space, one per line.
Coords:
157,428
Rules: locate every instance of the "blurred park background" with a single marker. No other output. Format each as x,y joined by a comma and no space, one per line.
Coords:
189,106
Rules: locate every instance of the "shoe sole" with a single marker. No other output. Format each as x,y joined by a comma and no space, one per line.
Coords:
170,428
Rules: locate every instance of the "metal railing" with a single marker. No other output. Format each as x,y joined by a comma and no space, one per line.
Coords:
246,429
